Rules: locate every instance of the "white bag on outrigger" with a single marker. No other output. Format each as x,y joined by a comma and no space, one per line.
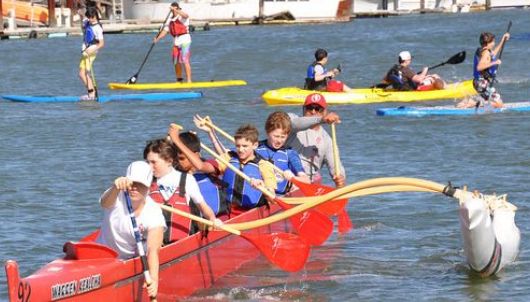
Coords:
491,238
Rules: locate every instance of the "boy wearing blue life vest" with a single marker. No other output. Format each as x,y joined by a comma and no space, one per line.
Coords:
210,184
241,195
485,64
273,149
92,42
319,78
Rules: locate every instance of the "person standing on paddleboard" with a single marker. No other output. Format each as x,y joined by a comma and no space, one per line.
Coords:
403,78
178,27
485,64
92,42
320,79
312,142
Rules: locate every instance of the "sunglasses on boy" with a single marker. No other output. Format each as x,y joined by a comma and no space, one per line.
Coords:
314,107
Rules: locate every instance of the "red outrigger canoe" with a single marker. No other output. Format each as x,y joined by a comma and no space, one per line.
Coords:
92,272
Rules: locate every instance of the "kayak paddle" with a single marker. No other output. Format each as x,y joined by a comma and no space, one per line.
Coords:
139,244
287,251
134,78
456,59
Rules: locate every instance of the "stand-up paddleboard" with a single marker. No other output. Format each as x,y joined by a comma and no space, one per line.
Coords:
177,85
451,110
156,97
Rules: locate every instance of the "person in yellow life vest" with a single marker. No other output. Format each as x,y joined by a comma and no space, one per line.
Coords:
178,27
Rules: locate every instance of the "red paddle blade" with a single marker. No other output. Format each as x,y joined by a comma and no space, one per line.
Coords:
313,226
287,251
328,208
345,224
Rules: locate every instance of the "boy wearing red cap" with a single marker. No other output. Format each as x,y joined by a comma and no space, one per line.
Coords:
311,141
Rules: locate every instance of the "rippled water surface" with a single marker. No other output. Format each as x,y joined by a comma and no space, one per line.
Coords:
57,158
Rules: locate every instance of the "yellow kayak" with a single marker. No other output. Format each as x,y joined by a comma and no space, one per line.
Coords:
177,85
296,96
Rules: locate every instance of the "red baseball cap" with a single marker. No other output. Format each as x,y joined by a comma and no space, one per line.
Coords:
316,99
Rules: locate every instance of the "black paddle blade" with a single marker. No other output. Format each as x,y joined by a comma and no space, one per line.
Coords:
458,58
132,80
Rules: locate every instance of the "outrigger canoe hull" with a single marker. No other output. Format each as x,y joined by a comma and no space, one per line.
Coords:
296,96
186,266
177,85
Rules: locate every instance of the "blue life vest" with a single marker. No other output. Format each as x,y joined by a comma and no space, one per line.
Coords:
310,83
488,73
89,37
213,192
395,77
239,191
280,159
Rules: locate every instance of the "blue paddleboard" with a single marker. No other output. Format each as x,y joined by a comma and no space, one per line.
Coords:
157,97
451,110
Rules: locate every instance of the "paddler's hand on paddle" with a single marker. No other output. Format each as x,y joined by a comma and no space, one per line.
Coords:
287,174
152,289
217,223
173,132
201,123
122,183
339,181
331,118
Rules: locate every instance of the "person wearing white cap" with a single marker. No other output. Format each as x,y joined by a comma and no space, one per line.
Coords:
402,77
117,230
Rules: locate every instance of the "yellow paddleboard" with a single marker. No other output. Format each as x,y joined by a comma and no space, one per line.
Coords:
177,85
296,96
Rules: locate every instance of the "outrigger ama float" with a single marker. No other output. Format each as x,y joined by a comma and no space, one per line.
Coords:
92,272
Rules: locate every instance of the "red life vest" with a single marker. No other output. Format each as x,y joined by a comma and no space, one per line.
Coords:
178,227
177,28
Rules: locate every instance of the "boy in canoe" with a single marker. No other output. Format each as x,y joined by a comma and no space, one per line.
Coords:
117,230
178,27
485,64
241,195
273,149
210,184
92,42
312,142
319,78
402,77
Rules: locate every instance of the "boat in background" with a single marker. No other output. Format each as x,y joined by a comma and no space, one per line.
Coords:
177,85
146,97
296,96
240,10
92,272
26,11
452,110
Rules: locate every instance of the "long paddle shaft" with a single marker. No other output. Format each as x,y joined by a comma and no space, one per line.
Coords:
504,42
329,208
287,251
312,226
139,244
134,78
345,223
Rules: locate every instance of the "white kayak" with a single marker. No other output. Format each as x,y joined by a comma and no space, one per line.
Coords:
491,238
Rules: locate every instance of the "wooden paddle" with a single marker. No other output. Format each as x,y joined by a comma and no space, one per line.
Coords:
287,251
330,208
134,78
344,223
313,226
139,244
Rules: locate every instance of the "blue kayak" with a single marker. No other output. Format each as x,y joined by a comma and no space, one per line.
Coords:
451,110
153,97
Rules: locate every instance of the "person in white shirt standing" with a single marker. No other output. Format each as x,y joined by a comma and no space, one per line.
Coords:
92,42
178,27
117,230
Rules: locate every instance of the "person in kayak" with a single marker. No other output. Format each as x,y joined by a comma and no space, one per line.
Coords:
485,64
319,78
210,184
175,189
273,149
92,42
402,77
116,228
178,27
312,142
